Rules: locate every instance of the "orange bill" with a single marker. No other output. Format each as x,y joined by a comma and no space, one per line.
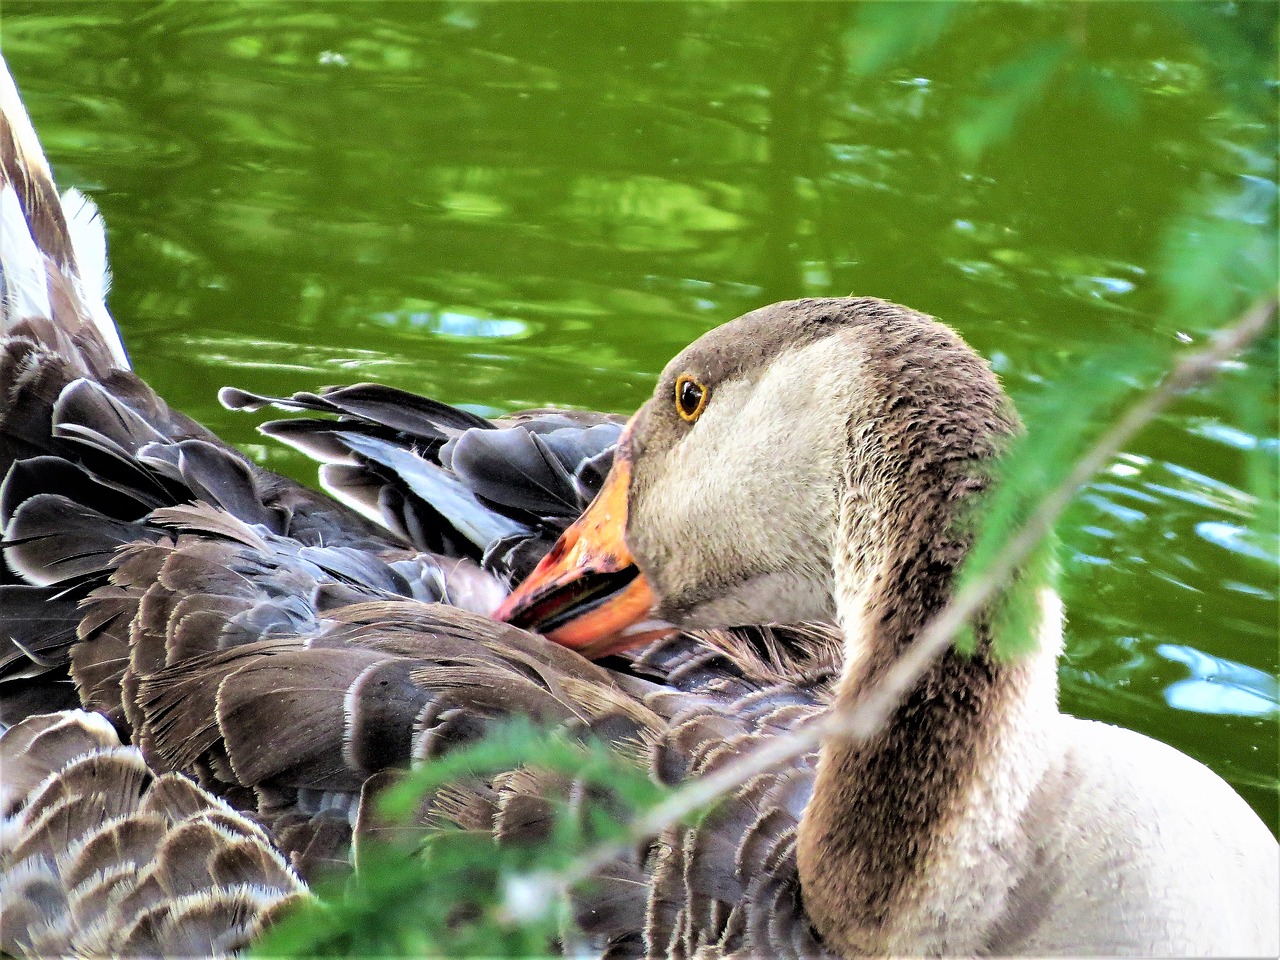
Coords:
587,593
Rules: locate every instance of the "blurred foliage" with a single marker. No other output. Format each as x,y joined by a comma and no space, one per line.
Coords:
579,190
1217,258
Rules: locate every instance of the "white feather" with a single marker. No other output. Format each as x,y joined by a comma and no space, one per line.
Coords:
26,286
93,273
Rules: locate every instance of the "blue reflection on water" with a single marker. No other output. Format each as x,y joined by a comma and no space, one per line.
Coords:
1115,510
1230,436
453,323
1240,540
1218,685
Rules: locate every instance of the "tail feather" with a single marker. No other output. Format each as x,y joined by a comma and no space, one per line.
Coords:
53,254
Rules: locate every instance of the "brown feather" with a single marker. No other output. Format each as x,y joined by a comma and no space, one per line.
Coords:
132,841
37,747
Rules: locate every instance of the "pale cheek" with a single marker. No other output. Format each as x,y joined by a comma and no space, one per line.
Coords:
749,550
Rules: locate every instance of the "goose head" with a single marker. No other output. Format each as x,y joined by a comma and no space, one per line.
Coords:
807,461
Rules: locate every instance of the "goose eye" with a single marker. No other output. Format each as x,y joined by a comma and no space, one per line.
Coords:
691,397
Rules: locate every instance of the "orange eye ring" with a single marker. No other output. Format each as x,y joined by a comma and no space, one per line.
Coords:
691,397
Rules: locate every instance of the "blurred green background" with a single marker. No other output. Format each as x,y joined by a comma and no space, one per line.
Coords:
515,204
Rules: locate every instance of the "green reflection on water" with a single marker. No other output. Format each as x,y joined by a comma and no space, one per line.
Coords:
513,204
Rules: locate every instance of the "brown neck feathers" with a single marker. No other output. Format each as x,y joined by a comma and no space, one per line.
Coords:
932,414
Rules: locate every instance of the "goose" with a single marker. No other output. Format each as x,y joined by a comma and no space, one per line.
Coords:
195,598
980,820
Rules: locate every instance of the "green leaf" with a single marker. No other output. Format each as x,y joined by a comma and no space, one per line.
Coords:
1015,87
885,33
1221,254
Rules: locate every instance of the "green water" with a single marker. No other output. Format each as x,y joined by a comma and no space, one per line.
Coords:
514,204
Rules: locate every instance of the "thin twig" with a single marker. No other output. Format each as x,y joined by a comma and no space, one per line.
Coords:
875,706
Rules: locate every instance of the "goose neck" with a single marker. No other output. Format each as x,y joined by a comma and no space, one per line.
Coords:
900,847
